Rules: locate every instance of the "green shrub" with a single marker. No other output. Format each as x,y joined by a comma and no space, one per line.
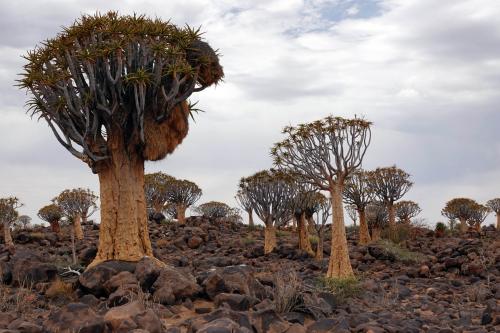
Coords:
401,253
313,240
343,289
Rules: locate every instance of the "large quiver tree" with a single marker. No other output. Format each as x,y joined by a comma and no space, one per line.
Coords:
245,203
460,209
214,209
388,185
182,194
52,214
406,210
271,194
325,153
113,90
357,194
77,205
494,205
8,215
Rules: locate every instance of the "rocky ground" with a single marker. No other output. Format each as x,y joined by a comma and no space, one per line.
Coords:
218,280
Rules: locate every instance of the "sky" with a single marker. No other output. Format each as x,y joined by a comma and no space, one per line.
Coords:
425,72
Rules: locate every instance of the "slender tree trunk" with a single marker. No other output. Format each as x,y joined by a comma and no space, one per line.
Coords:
77,226
7,237
392,220
364,234
463,226
304,242
181,214
84,219
55,227
376,234
250,218
498,221
269,238
294,223
319,248
477,226
123,232
73,245
339,265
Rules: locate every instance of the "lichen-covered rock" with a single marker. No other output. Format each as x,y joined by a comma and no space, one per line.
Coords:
75,317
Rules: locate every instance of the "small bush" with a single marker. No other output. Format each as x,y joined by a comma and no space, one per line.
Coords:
59,288
342,288
401,253
282,233
401,233
166,221
37,236
248,240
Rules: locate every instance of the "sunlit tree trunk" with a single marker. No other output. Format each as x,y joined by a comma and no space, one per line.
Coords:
339,265
250,217
123,232
269,238
463,226
303,232
364,234
181,214
7,237
77,226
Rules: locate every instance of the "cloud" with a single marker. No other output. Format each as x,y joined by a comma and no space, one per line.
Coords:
426,73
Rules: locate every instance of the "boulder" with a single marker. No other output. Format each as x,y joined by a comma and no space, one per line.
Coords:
220,325
75,317
329,325
121,280
235,301
181,284
194,242
93,280
28,267
146,272
268,321
380,253
240,318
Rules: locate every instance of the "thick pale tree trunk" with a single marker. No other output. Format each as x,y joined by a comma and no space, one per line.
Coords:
364,234
303,232
77,226
463,226
250,218
319,248
181,214
84,219
339,265
123,232
392,220
55,227
7,237
376,234
269,238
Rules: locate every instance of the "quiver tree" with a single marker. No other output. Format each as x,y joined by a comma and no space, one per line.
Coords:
406,210
156,190
77,205
8,215
270,194
51,214
113,89
388,185
352,212
377,218
478,216
494,205
23,222
304,204
460,209
213,209
357,194
325,153
320,217
245,203
182,194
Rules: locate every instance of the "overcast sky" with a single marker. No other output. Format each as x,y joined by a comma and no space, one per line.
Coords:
426,72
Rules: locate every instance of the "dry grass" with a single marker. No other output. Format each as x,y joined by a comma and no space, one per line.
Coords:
59,288
343,289
21,299
287,291
401,253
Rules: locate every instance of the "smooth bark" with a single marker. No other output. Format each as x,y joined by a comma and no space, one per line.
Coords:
463,226
303,232
339,265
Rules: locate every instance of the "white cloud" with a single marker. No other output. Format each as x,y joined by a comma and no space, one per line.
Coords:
426,72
